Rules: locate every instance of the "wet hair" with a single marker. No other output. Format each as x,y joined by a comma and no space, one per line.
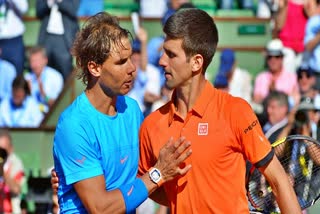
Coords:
99,34
21,82
197,30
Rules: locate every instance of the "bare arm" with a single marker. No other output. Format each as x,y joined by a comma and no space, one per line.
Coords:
313,42
281,187
96,199
14,186
143,37
281,16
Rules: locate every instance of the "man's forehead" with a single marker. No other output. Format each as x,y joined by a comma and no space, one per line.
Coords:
172,43
121,53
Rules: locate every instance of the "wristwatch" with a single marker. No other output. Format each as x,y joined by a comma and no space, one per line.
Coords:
155,176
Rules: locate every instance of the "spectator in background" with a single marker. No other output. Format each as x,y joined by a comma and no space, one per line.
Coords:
45,82
306,81
307,84
221,82
146,89
230,4
312,37
20,109
59,25
7,74
303,119
238,80
290,23
11,32
90,7
153,8
277,110
275,78
14,177
165,97
3,158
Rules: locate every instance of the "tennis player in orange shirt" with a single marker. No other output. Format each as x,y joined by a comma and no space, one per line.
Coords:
223,129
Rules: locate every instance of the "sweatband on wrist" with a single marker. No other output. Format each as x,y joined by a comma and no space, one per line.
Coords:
134,194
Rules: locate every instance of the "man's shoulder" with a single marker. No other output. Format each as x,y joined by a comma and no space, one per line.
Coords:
8,66
314,20
75,111
156,116
53,73
124,101
235,105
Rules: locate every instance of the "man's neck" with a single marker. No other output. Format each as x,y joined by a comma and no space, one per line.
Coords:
102,102
186,96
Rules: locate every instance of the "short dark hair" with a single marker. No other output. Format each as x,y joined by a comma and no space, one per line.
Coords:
279,96
5,133
95,41
21,82
36,49
197,30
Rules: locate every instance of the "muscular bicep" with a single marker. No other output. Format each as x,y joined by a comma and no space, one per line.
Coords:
92,193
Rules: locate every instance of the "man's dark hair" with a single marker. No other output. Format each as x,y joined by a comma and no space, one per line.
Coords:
95,42
279,96
37,49
5,133
197,30
20,82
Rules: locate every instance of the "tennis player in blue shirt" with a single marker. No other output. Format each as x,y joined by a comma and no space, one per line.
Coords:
96,146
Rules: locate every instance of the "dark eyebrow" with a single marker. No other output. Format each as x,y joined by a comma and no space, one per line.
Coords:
169,51
121,60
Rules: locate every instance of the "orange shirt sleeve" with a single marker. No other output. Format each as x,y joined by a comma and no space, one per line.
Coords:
251,138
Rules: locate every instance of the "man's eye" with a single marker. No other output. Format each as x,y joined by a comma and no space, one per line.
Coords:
171,55
122,61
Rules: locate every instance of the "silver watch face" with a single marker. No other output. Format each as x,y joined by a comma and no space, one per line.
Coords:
155,175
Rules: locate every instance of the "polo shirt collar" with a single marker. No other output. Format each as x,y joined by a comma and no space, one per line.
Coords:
200,105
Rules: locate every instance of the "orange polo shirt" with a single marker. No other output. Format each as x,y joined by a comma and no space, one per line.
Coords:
224,132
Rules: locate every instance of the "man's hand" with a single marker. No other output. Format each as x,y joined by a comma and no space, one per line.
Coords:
171,156
54,181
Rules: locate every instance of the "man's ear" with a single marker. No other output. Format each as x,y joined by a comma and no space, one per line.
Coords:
94,68
197,63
